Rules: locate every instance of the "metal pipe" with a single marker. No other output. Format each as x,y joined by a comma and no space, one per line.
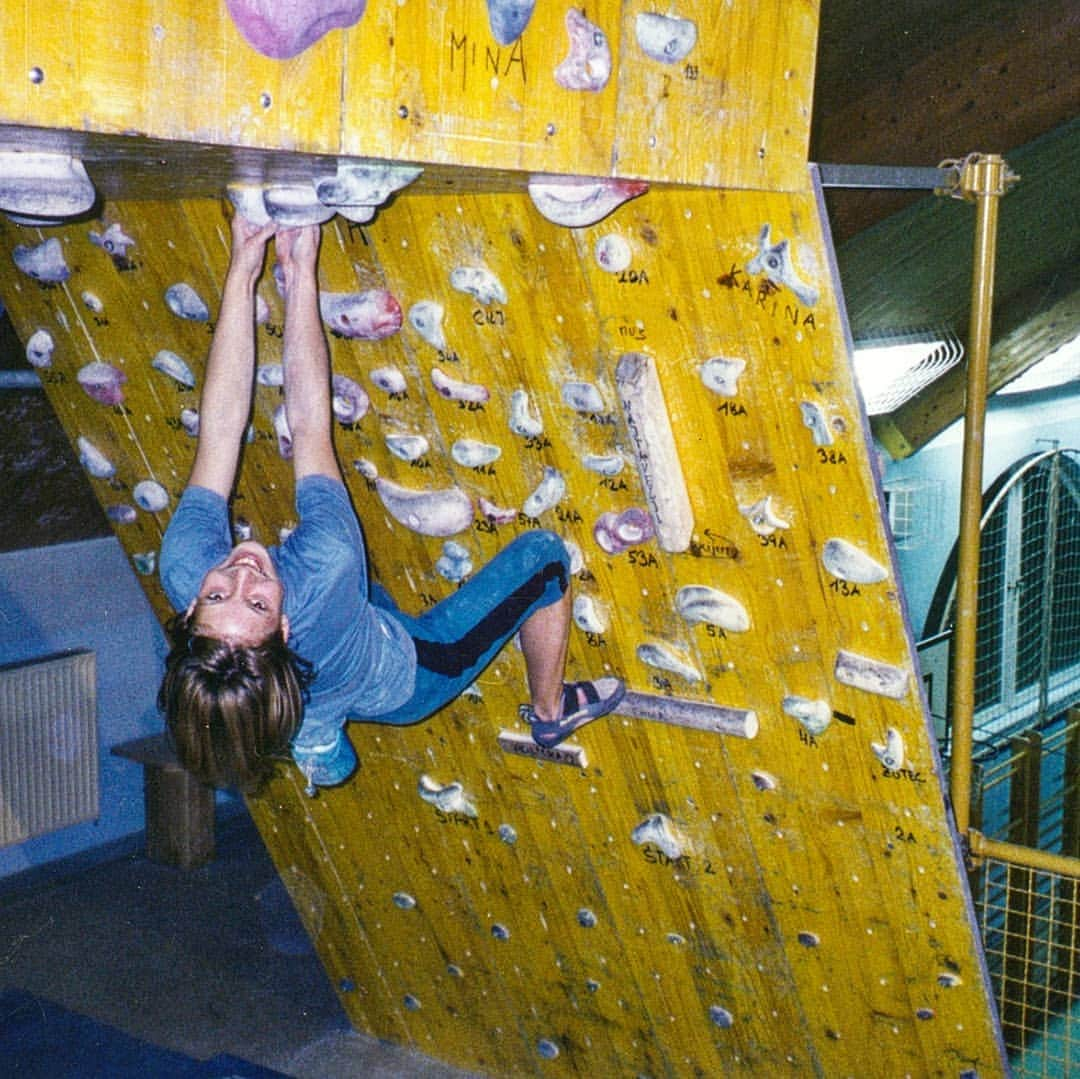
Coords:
20,380
1027,857
894,177
982,181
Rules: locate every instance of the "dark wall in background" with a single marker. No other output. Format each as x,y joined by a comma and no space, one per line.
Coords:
45,497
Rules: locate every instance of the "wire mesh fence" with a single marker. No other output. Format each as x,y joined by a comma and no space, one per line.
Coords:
1031,936
1028,793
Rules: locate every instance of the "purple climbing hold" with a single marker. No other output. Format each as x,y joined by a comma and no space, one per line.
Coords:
283,28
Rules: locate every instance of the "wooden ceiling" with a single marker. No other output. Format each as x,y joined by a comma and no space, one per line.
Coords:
919,82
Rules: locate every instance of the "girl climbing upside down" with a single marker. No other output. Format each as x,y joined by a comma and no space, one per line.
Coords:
274,649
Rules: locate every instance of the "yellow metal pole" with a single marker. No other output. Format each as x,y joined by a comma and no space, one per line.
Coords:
1027,857
982,180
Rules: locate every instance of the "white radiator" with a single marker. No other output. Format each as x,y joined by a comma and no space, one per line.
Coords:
48,745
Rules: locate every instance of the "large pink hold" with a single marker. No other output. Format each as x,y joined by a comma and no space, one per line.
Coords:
282,28
370,315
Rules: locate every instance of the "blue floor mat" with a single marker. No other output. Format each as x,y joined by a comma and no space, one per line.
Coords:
42,1039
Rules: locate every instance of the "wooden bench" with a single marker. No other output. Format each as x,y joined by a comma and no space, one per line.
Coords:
179,809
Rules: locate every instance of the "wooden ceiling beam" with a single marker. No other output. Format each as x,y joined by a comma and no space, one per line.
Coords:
950,78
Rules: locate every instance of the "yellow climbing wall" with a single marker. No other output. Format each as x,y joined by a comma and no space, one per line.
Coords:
668,900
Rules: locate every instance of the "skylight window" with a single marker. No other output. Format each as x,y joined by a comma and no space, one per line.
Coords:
892,369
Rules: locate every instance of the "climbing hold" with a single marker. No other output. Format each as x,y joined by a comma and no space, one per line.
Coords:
547,1049
508,18
407,447
145,562
455,562
247,200
184,302
283,30
721,374
93,460
103,382
284,435
612,253
170,364
814,418
189,420
44,262
582,397
471,453
39,349
871,675
371,315
775,263
43,188
891,753
455,390
605,464
357,189
270,374
431,513
589,614
617,532
114,241
388,379
814,715
588,64
658,830
578,201
762,518
121,513
498,515
450,798
349,400
295,205
481,284
699,603
404,901
721,1016
548,493
586,918
664,657
763,781
846,561
149,495
523,421
426,317
666,38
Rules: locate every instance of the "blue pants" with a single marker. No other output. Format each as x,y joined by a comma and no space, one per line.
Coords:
458,637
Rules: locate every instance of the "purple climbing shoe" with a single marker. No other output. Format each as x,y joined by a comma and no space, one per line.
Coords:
600,696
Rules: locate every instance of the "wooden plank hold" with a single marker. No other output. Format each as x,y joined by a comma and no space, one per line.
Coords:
523,746
657,458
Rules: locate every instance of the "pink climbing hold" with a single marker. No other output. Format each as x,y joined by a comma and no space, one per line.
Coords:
281,29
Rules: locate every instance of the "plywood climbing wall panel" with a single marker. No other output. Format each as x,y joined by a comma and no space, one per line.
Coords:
720,93
675,901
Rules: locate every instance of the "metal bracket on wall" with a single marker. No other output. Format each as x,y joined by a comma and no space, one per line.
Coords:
896,177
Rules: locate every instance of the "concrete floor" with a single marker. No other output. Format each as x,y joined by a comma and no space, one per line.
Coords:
203,962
